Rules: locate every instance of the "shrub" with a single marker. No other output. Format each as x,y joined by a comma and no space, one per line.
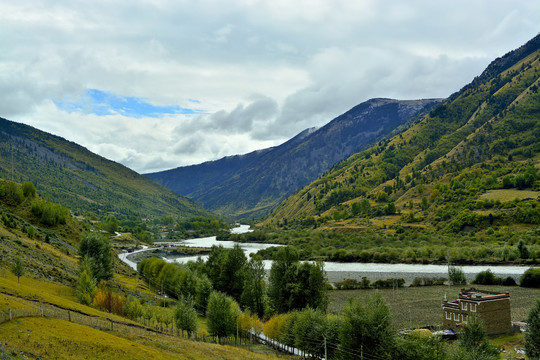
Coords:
486,278
28,189
531,278
456,276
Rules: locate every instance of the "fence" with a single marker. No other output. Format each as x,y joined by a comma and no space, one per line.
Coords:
38,309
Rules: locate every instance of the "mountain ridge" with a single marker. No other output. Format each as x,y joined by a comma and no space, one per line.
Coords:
251,185
75,177
422,176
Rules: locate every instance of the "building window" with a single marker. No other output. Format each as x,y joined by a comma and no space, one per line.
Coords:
463,306
473,307
456,317
448,315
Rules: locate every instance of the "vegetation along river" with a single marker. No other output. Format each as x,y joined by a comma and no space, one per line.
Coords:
340,271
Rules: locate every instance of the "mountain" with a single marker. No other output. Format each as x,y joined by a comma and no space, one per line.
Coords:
470,164
76,178
252,185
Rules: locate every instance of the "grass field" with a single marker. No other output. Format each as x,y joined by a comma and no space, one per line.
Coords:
57,339
420,306
52,338
509,195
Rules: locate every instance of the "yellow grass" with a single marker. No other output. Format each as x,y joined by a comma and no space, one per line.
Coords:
48,292
53,338
509,194
58,339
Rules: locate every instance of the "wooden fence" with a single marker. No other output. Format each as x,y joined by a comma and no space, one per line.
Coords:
38,309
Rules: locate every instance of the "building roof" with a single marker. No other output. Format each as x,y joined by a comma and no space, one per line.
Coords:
482,295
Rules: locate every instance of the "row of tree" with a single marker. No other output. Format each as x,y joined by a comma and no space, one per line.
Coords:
292,285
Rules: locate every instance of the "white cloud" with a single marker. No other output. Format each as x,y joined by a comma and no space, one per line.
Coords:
265,69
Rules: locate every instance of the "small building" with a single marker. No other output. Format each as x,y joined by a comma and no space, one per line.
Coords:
490,306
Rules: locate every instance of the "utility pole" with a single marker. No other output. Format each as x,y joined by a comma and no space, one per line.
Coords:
325,352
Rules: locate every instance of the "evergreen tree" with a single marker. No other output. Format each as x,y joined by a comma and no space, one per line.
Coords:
532,336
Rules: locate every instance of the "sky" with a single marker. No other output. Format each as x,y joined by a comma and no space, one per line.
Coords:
158,84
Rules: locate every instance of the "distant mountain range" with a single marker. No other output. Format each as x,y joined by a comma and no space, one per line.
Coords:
251,185
82,181
471,164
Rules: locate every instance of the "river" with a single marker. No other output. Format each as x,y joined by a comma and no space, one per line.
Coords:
340,271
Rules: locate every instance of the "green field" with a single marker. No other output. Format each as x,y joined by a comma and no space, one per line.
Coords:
421,306
509,195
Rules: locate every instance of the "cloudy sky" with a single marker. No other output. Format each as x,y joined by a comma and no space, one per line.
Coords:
158,84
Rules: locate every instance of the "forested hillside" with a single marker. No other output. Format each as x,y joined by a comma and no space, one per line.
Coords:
469,166
251,185
81,180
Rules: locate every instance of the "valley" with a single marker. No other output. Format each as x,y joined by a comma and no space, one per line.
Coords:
399,202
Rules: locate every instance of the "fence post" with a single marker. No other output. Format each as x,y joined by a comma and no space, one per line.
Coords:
69,316
10,318
111,324
41,309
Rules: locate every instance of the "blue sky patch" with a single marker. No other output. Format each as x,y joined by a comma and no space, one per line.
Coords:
105,103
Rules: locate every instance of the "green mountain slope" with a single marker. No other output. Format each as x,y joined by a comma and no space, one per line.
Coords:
470,164
71,175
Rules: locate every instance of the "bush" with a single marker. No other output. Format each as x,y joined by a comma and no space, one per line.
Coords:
28,189
427,281
456,276
389,283
351,284
50,213
486,278
531,278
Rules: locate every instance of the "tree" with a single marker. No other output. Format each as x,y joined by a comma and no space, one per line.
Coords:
232,273
185,317
530,278
486,277
110,224
456,276
278,293
474,343
522,249
97,249
204,289
254,286
221,315
367,327
532,336
310,330
29,190
86,284
17,268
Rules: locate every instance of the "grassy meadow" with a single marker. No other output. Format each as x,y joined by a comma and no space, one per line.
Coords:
421,306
